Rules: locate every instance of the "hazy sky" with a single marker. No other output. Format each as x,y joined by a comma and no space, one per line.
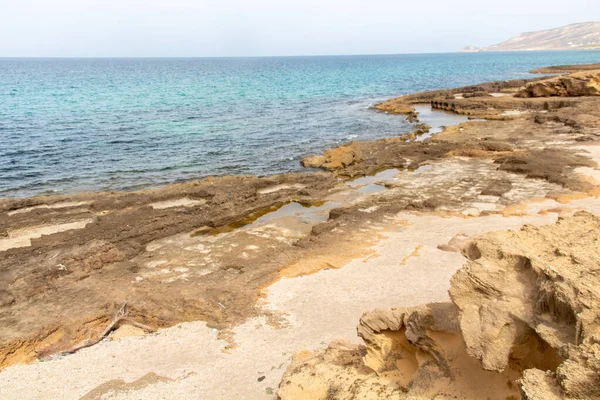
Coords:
166,28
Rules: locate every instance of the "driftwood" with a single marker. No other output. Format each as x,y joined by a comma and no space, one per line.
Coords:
120,316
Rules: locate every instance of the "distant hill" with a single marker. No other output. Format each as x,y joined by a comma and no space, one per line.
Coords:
581,36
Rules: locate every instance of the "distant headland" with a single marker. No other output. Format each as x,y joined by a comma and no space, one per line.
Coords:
581,36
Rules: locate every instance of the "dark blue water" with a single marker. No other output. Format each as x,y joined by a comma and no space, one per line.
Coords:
119,124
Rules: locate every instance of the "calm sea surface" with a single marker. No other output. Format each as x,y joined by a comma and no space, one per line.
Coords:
70,125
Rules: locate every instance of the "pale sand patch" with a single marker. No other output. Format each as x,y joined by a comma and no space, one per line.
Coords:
513,113
592,174
64,204
184,202
276,188
558,142
577,202
500,94
22,237
316,309
124,331
593,152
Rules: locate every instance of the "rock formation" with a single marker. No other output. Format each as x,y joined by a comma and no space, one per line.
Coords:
333,159
524,321
574,85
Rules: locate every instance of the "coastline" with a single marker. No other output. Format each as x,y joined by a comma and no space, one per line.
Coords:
126,143
213,251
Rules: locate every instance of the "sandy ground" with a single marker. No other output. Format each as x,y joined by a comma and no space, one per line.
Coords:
212,250
189,360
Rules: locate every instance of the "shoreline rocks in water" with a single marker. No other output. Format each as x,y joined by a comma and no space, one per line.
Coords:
566,69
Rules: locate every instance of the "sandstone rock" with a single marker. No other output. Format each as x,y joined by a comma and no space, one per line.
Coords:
395,106
456,244
313,161
533,291
524,321
574,85
540,385
334,159
411,353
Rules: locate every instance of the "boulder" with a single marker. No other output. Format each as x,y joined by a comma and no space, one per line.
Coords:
313,161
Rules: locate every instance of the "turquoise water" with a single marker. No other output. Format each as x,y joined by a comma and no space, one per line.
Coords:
71,125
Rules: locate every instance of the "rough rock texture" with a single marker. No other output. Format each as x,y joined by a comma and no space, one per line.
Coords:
574,85
61,288
403,104
538,286
313,161
524,322
333,159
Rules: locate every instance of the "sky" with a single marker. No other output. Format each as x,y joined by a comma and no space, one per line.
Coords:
209,28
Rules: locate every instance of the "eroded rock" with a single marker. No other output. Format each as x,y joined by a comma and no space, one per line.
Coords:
523,322
334,159
574,85
313,161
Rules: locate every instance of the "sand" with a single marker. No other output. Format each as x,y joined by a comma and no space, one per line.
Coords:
274,266
314,309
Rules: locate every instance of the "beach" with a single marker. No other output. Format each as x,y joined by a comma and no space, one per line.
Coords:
220,281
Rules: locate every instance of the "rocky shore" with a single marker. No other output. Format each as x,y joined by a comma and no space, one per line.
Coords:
285,264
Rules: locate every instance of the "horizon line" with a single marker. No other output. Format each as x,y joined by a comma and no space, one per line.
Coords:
292,56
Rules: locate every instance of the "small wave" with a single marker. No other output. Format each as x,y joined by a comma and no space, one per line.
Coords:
22,152
124,141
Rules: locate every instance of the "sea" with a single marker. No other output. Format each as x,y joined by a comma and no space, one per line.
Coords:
72,125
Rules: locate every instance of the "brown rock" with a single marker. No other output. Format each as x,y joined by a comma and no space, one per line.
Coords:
524,320
574,85
313,161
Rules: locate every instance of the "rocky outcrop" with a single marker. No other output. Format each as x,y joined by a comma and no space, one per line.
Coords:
313,161
404,104
524,322
333,159
535,290
574,85
339,158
